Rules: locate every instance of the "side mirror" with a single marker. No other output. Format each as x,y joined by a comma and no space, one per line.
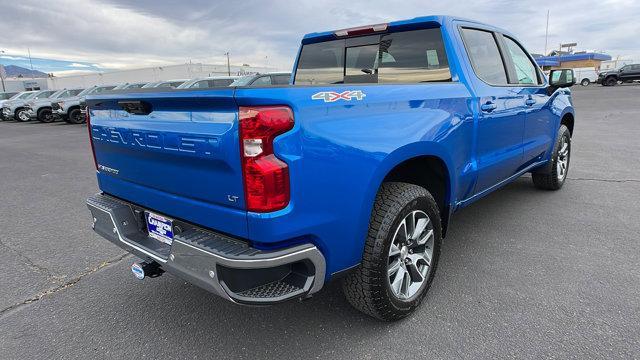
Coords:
561,78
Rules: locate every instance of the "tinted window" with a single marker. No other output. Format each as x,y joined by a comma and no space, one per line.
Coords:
263,80
280,79
202,84
74,92
485,57
525,69
361,60
401,57
413,56
44,95
222,82
321,63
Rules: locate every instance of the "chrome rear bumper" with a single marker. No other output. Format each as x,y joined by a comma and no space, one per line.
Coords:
226,266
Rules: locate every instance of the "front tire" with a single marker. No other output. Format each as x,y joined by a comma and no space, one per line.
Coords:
46,115
75,116
611,81
400,255
553,176
22,115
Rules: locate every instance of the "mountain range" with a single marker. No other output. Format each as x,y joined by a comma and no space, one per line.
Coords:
17,71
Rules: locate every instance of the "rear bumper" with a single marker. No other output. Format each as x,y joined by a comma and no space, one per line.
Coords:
223,265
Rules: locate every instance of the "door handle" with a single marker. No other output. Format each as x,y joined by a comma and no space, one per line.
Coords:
489,106
530,102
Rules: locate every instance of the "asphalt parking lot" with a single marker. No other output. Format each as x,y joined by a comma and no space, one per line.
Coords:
524,273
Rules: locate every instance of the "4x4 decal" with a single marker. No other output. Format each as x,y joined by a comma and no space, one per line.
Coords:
331,96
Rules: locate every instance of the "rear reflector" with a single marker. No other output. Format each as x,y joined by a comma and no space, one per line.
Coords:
361,30
266,178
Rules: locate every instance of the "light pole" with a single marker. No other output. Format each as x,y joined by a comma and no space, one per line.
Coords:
228,64
2,73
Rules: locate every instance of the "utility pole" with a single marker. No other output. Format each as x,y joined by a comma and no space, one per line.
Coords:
2,74
546,34
228,64
30,63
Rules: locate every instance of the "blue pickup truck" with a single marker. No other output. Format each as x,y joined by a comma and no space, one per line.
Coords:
351,172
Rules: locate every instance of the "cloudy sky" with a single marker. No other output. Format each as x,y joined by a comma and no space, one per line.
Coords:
67,36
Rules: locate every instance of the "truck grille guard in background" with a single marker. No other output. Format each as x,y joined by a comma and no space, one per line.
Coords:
218,263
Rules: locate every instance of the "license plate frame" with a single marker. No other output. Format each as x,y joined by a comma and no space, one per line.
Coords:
159,227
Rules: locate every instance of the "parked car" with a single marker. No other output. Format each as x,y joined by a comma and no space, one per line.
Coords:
281,78
4,97
126,86
586,75
69,108
41,109
17,109
7,95
165,84
208,82
627,73
275,191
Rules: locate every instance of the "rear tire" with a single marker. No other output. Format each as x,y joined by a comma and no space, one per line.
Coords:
373,287
585,82
553,175
46,116
75,117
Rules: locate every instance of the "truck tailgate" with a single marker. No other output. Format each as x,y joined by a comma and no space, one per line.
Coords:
183,147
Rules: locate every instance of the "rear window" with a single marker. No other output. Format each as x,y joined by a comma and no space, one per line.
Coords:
402,57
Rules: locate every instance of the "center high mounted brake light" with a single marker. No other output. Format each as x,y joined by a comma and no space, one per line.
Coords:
266,178
361,30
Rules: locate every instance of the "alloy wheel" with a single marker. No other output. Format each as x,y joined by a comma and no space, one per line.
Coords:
563,159
23,116
410,255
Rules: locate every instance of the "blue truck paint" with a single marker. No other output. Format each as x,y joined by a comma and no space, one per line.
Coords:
338,153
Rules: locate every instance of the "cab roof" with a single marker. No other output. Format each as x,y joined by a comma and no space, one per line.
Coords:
400,25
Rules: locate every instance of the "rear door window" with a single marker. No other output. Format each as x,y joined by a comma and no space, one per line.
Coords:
486,60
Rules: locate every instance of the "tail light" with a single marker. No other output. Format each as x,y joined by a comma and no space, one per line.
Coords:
266,178
93,150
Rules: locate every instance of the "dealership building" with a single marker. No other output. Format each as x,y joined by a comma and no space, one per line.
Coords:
557,60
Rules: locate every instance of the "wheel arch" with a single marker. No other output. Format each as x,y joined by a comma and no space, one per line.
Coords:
568,120
43,108
17,110
425,164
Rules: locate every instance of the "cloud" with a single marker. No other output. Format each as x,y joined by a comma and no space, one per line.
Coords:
72,72
78,65
117,34
8,57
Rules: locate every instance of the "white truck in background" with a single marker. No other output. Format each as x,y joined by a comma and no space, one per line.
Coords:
586,75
